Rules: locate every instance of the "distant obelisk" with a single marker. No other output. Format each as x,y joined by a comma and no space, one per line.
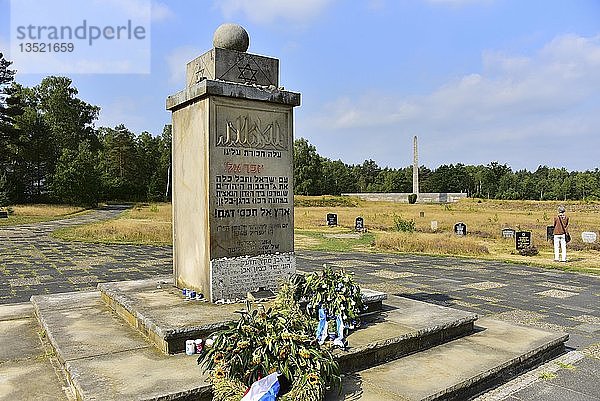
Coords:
415,166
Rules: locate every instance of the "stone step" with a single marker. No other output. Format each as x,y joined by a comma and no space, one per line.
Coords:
159,311
106,359
405,326
457,370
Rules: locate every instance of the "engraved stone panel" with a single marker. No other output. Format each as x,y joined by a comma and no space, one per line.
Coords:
233,66
233,277
251,195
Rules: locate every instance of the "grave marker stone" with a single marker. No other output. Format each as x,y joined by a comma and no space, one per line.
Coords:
549,233
3,214
232,151
421,214
331,219
434,225
522,240
508,232
589,237
359,224
460,228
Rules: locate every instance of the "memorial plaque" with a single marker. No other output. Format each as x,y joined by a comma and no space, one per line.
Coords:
359,224
460,228
589,237
522,240
508,233
421,214
3,214
331,219
434,225
549,233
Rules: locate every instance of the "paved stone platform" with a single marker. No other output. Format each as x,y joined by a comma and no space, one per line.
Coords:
107,359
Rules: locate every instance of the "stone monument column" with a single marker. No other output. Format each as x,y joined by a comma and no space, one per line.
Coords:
233,204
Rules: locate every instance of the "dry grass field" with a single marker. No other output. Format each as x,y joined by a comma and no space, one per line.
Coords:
484,219
143,224
23,214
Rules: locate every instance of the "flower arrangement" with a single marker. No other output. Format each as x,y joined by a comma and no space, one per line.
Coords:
281,339
334,289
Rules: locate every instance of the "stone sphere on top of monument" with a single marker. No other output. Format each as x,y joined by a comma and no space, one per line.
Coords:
232,37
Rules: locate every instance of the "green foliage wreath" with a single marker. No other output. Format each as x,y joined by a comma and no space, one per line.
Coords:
281,339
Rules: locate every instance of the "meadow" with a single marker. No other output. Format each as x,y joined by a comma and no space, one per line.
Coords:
151,224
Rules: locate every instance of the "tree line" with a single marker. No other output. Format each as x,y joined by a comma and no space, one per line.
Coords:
50,150
317,175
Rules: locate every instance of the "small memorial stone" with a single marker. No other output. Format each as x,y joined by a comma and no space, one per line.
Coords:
589,237
434,225
359,224
421,214
549,233
460,228
508,233
522,240
331,219
3,214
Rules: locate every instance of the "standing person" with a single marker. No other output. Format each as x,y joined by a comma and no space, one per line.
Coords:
561,224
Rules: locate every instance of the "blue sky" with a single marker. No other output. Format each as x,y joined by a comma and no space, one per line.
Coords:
513,81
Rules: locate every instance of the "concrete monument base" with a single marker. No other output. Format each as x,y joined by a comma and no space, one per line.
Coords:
410,351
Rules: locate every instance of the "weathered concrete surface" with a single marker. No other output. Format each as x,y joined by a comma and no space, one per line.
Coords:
455,369
406,326
81,329
162,314
26,368
107,360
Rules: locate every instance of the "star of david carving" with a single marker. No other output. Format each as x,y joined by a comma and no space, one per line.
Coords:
199,72
247,73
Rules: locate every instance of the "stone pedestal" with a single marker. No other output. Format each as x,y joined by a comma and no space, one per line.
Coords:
233,215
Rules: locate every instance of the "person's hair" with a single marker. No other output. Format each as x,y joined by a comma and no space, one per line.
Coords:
561,209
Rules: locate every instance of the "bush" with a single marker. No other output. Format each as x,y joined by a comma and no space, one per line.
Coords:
412,199
529,251
404,225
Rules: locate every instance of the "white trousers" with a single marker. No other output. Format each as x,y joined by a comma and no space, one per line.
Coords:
560,242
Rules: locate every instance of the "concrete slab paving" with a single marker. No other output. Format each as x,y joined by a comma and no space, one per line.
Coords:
144,374
89,330
106,359
27,366
30,380
19,339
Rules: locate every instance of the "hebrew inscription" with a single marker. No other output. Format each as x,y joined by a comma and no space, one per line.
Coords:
251,183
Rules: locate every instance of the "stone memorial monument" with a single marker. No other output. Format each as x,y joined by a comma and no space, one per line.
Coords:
233,216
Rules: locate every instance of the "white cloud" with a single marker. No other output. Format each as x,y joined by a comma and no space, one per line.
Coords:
543,99
177,60
267,11
161,12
